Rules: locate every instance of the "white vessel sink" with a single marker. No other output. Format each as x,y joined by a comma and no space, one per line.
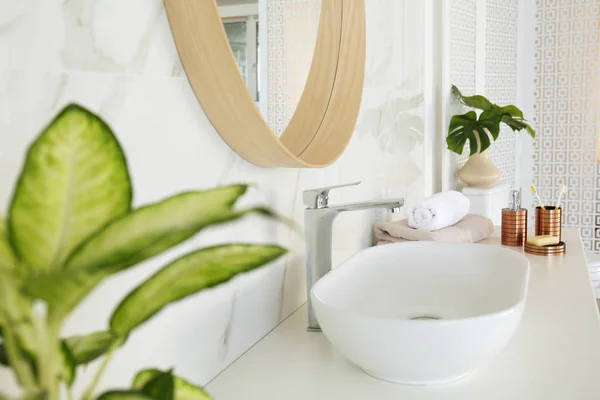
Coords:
423,313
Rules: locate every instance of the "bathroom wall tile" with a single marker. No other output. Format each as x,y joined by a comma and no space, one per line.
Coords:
567,120
171,147
118,59
130,37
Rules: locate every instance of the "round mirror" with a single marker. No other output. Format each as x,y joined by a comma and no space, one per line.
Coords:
273,43
309,108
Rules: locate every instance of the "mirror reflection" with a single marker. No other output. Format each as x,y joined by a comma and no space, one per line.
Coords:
273,42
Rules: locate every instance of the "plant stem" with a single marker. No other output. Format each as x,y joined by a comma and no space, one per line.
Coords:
90,391
50,357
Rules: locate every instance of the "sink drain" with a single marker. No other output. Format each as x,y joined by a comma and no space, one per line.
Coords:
428,317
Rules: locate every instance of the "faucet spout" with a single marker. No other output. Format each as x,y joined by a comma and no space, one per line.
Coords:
392,205
318,222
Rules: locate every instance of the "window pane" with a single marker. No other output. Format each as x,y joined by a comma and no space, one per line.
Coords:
236,34
258,63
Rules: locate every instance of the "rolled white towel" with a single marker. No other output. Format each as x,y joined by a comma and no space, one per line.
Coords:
438,211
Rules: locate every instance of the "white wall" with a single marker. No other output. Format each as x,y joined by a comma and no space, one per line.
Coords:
118,58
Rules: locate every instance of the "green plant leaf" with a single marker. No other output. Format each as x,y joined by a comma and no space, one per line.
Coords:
16,312
152,229
160,387
476,101
509,110
510,115
490,122
123,395
462,128
188,275
74,181
68,364
63,290
8,258
75,350
183,389
3,355
86,348
531,131
517,124
18,331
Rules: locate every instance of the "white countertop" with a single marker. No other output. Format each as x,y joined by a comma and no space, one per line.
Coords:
555,353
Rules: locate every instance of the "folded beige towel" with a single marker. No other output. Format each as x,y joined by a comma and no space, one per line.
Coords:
472,228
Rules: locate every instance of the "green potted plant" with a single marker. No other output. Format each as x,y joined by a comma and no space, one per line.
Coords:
479,171
71,225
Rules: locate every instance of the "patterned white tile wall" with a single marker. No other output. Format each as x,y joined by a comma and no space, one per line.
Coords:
463,57
292,34
498,62
501,76
567,108
463,21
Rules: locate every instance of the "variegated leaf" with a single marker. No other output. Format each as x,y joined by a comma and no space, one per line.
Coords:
187,275
68,364
18,330
86,348
64,289
8,258
123,395
183,389
160,387
74,180
152,229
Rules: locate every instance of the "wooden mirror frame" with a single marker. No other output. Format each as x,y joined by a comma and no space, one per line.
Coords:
324,120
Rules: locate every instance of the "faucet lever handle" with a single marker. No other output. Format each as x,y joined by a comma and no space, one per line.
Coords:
318,198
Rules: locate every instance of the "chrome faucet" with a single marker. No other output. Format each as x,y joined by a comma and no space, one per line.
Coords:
318,221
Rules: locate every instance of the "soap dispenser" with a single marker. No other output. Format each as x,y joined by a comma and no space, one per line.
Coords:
514,221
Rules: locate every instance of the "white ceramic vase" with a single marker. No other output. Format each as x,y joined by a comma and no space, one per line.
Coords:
479,171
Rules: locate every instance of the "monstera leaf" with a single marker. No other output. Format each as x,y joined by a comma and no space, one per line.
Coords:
476,101
74,180
513,117
467,127
516,124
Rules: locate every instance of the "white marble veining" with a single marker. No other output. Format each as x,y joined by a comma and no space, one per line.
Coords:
118,59
88,35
